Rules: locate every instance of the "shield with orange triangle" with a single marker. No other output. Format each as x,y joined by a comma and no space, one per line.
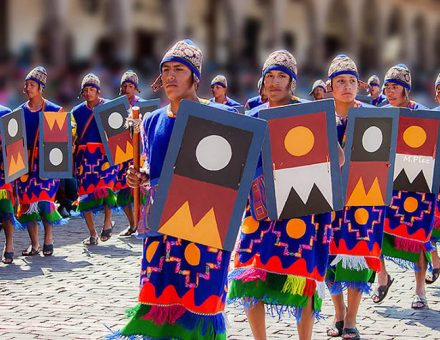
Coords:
370,150
206,175
110,119
14,145
55,145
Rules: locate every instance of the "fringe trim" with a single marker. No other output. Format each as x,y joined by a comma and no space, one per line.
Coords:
3,194
247,274
320,290
409,245
161,315
33,209
11,218
374,264
405,264
336,288
294,285
351,262
100,193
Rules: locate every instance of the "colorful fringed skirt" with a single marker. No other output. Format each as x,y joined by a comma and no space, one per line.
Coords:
123,192
183,291
435,237
36,197
7,206
355,248
281,263
95,177
408,228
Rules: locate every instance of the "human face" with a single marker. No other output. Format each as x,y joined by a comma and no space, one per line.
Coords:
128,89
374,90
218,91
90,94
395,94
32,89
177,81
345,88
318,93
437,94
277,86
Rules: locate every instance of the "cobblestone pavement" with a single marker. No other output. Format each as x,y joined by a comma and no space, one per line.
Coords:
82,293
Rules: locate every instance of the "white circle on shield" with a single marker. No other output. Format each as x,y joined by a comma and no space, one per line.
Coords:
214,152
372,139
13,127
56,156
115,120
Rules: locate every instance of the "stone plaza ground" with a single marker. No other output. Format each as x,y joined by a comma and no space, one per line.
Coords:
82,293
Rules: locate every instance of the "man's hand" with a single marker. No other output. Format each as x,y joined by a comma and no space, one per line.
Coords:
137,178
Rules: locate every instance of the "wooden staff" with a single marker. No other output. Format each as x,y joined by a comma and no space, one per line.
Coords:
136,162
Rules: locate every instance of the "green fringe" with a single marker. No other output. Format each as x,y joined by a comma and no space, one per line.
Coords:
53,217
389,250
6,206
294,285
342,274
124,197
139,326
3,194
98,204
262,291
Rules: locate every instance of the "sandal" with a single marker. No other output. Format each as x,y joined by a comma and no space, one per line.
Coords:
47,249
8,257
128,232
430,279
31,251
91,241
351,333
381,291
336,330
419,303
106,234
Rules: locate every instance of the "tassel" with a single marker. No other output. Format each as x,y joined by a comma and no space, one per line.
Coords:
248,274
3,194
310,288
100,193
33,209
374,264
294,285
350,262
320,289
161,315
409,245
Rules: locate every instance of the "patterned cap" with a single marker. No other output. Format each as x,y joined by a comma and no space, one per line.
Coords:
316,84
437,81
219,80
92,80
185,52
400,75
342,64
38,74
130,77
373,80
284,61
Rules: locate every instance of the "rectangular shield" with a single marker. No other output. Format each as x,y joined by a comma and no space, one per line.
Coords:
417,167
55,145
14,145
110,118
300,160
370,150
206,176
